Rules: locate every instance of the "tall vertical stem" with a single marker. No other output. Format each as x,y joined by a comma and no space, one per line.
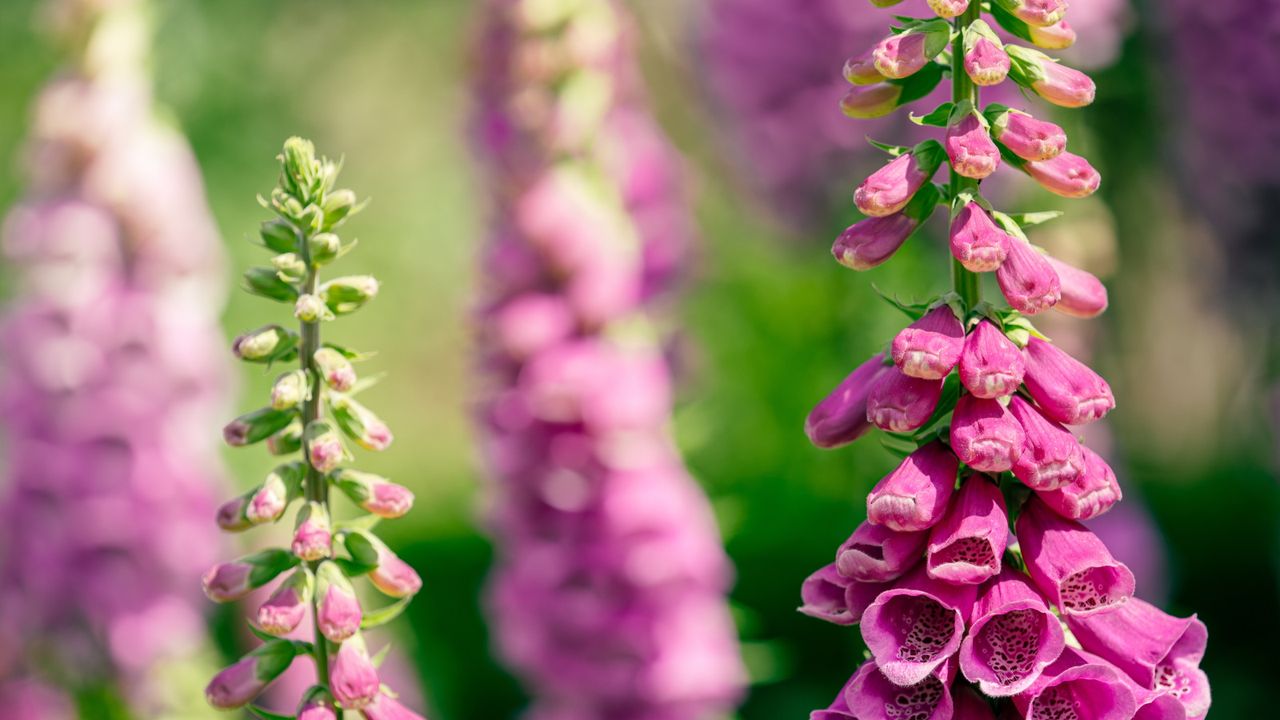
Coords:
964,282
315,485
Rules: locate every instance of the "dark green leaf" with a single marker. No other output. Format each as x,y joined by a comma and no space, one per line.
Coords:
920,84
938,117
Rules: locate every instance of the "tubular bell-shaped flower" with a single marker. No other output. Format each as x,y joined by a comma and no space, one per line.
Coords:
916,626
1027,137
904,54
915,495
1027,280
900,403
1083,294
991,366
969,146
1065,174
967,546
985,435
841,417
889,189
1090,494
1080,684
1065,389
876,554
1070,564
1012,638
985,60
1051,456
872,695
976,242
930,347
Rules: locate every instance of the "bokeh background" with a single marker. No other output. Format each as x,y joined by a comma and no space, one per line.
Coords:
1184,133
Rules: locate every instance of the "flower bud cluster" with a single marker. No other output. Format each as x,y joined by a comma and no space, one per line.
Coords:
110,369
608,598
313,414
959,621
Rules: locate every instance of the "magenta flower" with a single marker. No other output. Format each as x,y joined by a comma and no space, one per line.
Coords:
1012,638
930,347
871,694
1090,494
985,61
1160,652
967,547
1068,175
877,554
1027,280
1070,564
991,365
976,242
1065,389
352,677
1083,295
972,152
285,610
841,417
1027,137
901,55
985,435
868,243
899,403
1051,456
338,612
1058,84
915,495
889,189
227,582
393,576
914,627
1081,684
828,595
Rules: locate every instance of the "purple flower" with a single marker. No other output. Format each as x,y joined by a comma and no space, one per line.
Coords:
1065,388
889,189
985,435
930,347
1083,295
991,365
916,494
1027,280
870,695
975,240
1089,495
352,677
1070,564
1081,684
899,403
868,243
876,554
1051,456
285,610
841,417
1065,174
338,612
914,627
967,547
1027,137
1012,638
828,595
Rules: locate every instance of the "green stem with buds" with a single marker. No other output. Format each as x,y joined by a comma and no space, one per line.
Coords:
316,486
964,282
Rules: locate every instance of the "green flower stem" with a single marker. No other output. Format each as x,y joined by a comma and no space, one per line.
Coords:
314,486
965,283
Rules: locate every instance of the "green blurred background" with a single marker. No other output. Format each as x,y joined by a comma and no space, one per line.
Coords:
771,322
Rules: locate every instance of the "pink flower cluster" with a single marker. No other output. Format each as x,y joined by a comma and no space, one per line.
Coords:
962,618
608,598
109,372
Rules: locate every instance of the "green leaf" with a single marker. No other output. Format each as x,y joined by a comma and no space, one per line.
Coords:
898,445
261,634
381,656
913,310
353,569
1011,24
893,150
350,353
385,614
364,383
363,549
919,84
938,117
1035,218
364,522
265,714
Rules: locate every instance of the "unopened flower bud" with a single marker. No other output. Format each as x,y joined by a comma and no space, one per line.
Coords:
985,61
871,101
312,535
970,148
255,426
301,167
841,417
335,369
233,580
1051,456
1027,279
317,704
889,189
915,495
266,282
991,365
266,344
290,266
361,424
288,441
1058,36
1027,137
325,450
930,347
904,54
1090,494
967,546
311,308
279,235
948,9
290,390
285,610
861,70
338,611
1083,295
393,576
324,248
230,516
870,242
975,240
269,500
1036,12
352,677
1050,80
347,294
237,685
338,205
900,403
985,435
1065,388
1068,175
373,493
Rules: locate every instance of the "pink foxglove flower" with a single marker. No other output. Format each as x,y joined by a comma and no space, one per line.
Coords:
1040,13
373,493
1058,36
338,612
976,242
930,347
393,576
385,707
1056,83
1065,389
985,60
991,365
285,610
905,54
1012,638
916,626
985,435
889,189
1090,494
967,547
877,554
828,595
352,678
1051,456
1068,175
1079,682
237,685
1070,564
916,494
841,417
1027,137
970,148
871,101
868,243
871,694
317,704
1083,295
1027,280
900,403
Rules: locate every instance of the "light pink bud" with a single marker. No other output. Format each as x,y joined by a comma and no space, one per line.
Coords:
899,403
290,390
1068,175
393,576
226,582
1036,12
871,101
324,447
1027,279
231,517
889,189
970,148
976,242
930,347
1083,295
268,502
373,493
1056,83
338,611
1065,388
915,495
284,611
914,627
352,677
985,435
948,9
876,554
237,685
1069,564
1058,36
841,417
1051,456
868,243
312,537
968,546
991,365
385,707
361,424
1090,494
1027,137
335,369
902,55
861,70
316,704
986,63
